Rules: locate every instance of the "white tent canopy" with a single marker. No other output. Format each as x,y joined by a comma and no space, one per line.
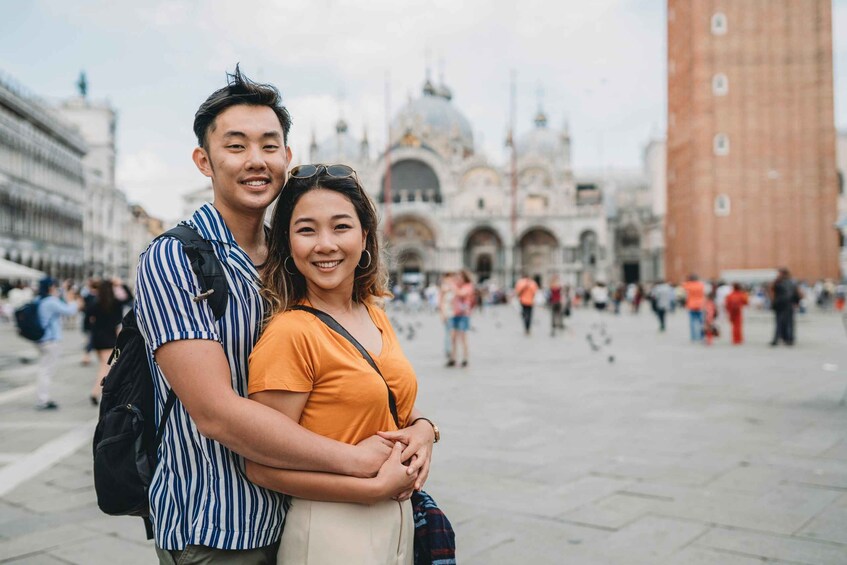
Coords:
10,270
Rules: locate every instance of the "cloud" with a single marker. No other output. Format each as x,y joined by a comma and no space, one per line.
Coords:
156,184
600,64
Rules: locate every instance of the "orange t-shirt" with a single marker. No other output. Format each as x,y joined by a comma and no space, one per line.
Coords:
526,289
695,294
348,400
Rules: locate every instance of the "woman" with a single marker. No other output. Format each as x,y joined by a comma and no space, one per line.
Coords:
710,312
463,301
445,310
323,253
556,305
104,316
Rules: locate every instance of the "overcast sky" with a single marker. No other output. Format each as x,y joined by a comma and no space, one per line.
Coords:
600,64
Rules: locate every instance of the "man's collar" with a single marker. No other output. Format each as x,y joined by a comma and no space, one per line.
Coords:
211,225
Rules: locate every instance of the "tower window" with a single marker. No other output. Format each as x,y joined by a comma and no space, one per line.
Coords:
480,204
719,26
720,85
722,205
720,144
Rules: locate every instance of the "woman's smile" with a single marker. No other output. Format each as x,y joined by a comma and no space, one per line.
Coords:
327,265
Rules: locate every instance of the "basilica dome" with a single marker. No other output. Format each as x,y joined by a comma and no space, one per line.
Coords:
433,120
339,148
542,141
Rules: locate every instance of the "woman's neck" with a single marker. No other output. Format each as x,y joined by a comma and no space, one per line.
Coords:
332,302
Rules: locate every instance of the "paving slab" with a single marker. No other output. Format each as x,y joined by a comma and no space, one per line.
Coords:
766,547
673,453
829,525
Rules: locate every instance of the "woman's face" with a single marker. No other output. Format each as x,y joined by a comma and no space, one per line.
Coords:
326,239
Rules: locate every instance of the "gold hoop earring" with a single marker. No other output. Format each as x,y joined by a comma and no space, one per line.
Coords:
285,266
370,259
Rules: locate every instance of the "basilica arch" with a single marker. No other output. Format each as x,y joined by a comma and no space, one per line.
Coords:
588,257
411,248
484,254
628,253
537,253
412,180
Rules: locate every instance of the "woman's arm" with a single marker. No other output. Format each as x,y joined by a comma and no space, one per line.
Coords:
391,479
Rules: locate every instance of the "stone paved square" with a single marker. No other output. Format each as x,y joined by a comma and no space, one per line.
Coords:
672,453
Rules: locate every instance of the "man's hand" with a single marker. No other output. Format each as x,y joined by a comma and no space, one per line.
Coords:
372,453
418,452
393,478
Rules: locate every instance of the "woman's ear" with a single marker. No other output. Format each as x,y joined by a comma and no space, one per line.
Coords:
364,239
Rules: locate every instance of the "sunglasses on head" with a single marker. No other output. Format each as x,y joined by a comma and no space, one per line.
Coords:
309,171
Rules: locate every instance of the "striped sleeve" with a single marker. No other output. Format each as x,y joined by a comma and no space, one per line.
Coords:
165,288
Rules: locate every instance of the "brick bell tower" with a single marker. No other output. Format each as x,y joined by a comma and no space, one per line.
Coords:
751,173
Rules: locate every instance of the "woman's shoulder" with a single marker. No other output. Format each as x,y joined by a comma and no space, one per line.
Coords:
291,323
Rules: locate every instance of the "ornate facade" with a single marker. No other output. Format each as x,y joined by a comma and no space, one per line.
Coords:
444,206
107,212
636,215
42,185
841,225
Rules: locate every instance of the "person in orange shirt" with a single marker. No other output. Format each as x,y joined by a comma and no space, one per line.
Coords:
323,253
695,296
525,290
735,303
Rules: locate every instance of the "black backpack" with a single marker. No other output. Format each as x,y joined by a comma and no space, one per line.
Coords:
126,439
27,321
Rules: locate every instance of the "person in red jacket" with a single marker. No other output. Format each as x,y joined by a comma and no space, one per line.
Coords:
735,303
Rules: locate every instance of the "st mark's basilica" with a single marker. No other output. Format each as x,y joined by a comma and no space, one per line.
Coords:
449,207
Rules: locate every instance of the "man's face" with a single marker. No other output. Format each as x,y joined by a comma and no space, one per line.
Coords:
246,158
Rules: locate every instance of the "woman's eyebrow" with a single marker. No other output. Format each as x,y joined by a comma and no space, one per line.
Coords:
335,217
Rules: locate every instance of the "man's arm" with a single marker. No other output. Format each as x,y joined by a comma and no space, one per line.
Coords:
199,374
391,480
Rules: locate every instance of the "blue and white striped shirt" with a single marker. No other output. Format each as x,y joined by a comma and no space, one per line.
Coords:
200,494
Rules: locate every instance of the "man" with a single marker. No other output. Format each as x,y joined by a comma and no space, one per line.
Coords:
734,306
51,308
600,296
785,295
723,290
202,507
525,290
663,297
695,298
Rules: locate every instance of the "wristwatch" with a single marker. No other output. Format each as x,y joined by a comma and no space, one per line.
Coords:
436,433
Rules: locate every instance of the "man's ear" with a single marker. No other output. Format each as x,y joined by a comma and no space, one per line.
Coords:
201,159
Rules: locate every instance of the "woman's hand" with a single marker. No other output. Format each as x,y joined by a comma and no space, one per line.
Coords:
373,452
393,478
418,440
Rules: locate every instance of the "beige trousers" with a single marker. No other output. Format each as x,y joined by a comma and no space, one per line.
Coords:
329,533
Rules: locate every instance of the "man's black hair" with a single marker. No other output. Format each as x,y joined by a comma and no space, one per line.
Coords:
239,90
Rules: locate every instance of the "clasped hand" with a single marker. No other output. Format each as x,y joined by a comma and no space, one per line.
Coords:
404,457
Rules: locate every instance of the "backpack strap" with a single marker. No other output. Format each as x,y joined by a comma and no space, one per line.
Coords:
205,265
339,329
